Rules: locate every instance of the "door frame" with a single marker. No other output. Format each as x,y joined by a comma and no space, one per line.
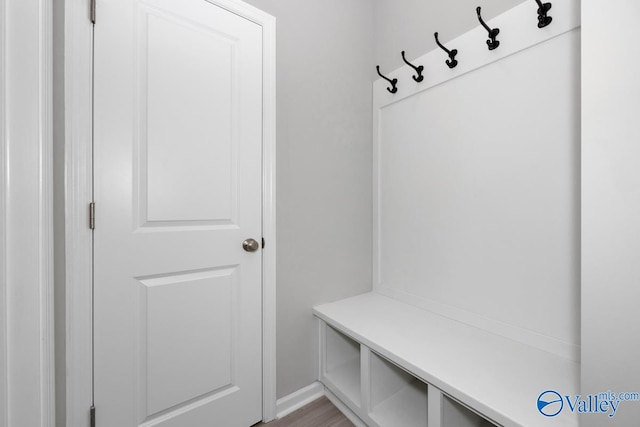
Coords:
27,383
79,192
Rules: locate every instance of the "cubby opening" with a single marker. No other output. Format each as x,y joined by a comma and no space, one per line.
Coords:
398,399
342,366
457,415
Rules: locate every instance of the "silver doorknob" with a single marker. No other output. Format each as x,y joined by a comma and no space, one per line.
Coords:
250,245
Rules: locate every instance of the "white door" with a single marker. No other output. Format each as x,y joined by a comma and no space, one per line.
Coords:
177,187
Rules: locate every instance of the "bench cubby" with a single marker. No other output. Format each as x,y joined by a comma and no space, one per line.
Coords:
398,399
342,364
456,415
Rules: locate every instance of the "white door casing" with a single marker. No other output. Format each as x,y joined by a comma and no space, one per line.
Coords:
27,390
177,178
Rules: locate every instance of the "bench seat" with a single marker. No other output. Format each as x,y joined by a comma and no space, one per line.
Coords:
498,378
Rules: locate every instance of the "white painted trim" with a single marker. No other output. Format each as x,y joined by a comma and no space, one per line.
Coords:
4,169
365,379
269,222
518,32
298,399
344,409
26,187
78,103
45,214
78,193
435,409
310,393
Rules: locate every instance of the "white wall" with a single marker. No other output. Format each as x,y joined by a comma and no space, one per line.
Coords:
611,205
324,66
409,24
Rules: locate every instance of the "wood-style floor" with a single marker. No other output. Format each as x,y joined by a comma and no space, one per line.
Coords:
319,413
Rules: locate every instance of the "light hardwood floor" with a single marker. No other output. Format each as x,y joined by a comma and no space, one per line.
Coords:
319,413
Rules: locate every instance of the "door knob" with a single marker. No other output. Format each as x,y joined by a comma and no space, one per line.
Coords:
250,245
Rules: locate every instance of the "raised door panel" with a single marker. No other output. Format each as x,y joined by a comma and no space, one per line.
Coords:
187,336
188,106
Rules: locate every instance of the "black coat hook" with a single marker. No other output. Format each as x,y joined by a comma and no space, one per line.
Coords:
451,62
543,19
394,82
493,32
419,69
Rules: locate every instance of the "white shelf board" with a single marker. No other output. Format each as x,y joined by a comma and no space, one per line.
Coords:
406,408
346,377
498,377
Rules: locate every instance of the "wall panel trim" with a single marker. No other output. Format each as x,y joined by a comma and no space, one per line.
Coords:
518,31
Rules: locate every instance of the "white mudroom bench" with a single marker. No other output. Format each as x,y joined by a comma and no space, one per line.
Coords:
394,365
476,275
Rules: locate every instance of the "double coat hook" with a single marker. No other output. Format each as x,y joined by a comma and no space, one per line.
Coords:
418,69
394,82
543,19
493,32
451,62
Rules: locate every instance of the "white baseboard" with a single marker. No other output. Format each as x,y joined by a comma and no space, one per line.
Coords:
298,399
308,394
345,410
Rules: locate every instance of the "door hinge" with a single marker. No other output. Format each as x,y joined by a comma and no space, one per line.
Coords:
92,215
93,11
92,416
263,243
